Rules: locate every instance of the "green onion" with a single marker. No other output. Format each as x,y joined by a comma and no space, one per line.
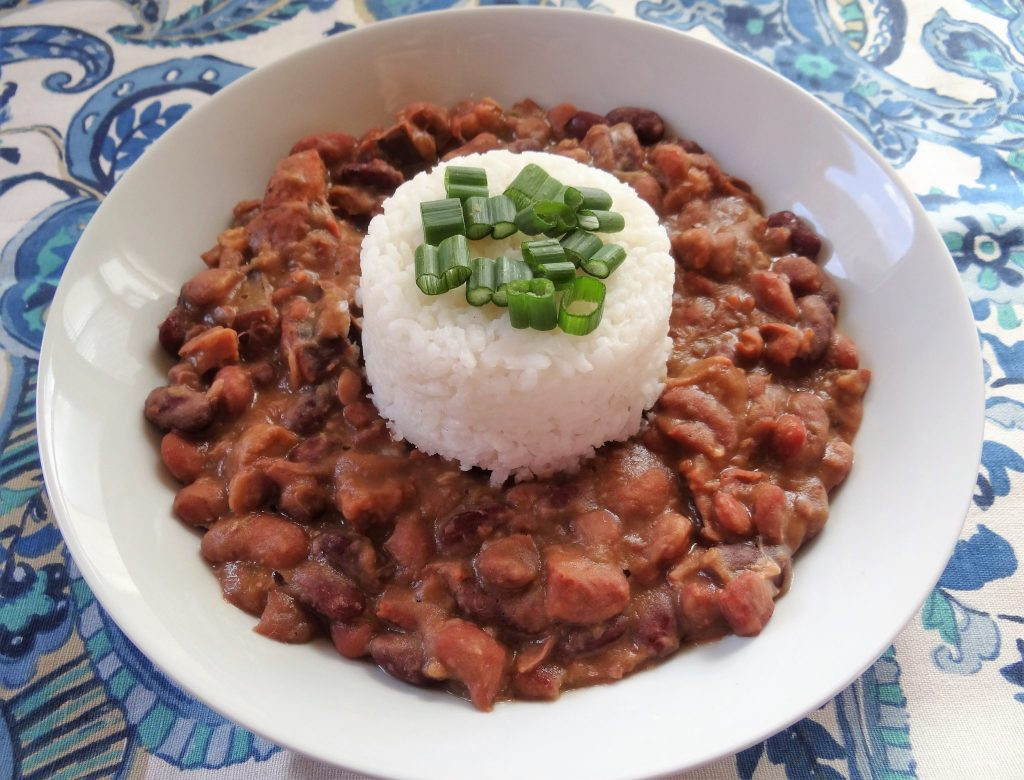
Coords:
604,261
480,287
502,216
582,306
507,270
525,186
461,181
572,198
453,258
594,198
429,277
442,219
561,274
580,246
546,250
601,221
531,304
539,217
478,217
565,221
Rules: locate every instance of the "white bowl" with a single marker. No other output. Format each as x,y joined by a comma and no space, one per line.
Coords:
893,523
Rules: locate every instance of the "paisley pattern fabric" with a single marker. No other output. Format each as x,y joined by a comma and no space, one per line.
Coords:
936,87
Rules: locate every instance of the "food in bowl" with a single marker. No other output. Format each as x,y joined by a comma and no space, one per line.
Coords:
319,520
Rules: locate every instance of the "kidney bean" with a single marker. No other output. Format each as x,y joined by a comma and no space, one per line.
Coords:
816,315
468,526
310,408
656,624
511,562
771,512
351,640
558,116
782,343
638,485
182,457
664,540
473,117
303,499
350,386
649,127
245,585
261,538
171,332
749,345
690,403
580,123
581,641
626,150
774,295
731,514
249,490
836,463
802,239
400,655
350,553
232,390
699,611
582,591
804,276
301,176
201,503
333,148
410,545
789,436
747,603
374,173
285,621
178,408
368,487
484,142
322,588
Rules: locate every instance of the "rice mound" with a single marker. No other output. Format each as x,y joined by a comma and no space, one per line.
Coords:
459,381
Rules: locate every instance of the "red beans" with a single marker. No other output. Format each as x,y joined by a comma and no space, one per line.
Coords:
182,457
581,122
649,127
511,562
320,521
265,539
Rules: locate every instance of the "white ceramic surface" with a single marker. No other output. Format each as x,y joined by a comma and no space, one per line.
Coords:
893,524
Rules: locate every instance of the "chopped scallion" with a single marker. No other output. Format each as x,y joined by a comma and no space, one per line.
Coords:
594,198
582,305
561,274
604,261
429,277
478,217
453,258
531,304
502,216
546,250
539,217
601,221
463,181
442,219
526,185
480,288
580,246
507,270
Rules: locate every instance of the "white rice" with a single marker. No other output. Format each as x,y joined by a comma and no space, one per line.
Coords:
458,381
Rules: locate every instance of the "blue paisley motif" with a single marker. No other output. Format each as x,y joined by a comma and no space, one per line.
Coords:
31,264
391,9
165,721
109,132
890,112
18,44
216,21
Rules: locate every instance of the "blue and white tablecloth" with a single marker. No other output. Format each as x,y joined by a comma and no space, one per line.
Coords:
936,85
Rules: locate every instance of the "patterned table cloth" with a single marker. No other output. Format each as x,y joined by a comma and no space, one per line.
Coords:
936,85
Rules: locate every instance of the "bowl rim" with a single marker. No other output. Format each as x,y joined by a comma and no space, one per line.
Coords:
47,438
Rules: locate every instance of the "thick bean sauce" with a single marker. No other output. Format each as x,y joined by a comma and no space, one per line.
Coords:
318,523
